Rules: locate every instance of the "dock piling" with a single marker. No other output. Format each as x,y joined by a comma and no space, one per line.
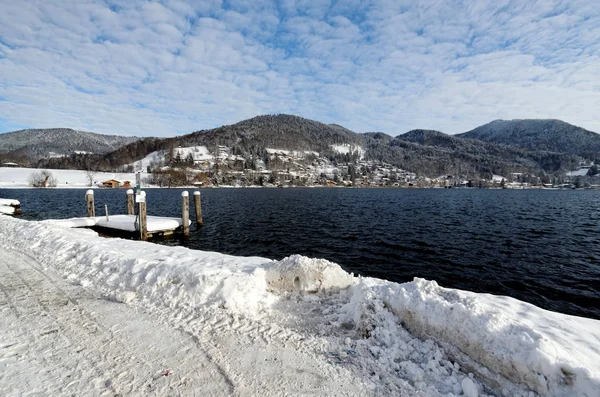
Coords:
198,207
185,212
143,219
89,197
130,202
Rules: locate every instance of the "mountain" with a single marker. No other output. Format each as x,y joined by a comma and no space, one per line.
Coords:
435,150
41,143
249,137
547,135
280,131
425,152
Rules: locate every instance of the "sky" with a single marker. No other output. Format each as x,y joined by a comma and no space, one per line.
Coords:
148,68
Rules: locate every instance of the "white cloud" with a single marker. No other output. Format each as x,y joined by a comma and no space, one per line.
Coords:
161,68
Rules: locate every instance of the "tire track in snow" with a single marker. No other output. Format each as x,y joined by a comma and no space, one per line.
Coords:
108,365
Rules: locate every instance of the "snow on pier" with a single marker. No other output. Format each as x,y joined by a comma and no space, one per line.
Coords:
125,223
10,206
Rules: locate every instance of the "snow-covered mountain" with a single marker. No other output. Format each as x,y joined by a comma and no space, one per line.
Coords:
548,135
40,143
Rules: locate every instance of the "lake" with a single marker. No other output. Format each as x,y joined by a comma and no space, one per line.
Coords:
538,246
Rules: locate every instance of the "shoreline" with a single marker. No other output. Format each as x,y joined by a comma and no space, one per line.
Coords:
365,324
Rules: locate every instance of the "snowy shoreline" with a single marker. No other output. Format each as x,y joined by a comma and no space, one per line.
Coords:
411,336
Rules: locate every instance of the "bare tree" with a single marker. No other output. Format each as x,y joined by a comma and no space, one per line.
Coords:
90,176
42,179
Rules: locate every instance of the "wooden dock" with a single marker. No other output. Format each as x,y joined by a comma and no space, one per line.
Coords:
124,225
135,225
10,207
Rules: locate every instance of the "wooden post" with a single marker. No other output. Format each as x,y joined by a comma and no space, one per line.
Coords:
198,207
143,219
106,211
185,212
130,202
89,197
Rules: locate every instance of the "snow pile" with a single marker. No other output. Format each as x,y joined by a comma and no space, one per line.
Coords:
73,222
552,353
131,270
395,337
301,274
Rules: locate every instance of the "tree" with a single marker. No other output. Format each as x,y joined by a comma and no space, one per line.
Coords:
42,179
90,175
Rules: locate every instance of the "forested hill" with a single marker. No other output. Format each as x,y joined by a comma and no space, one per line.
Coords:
548,135
40,143
428,153
275,131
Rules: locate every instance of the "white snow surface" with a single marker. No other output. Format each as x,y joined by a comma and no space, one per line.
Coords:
579,172
142,165
5,209
347,148
295,153
199,153
9,202
19,177
120,222
292,327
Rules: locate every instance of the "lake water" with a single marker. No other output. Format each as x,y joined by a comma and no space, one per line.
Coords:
538,246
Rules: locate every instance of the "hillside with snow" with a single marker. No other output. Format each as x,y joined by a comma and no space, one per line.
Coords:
129,317
56,142
548,135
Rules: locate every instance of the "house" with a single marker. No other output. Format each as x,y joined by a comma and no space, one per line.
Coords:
126,185
10,165
112,183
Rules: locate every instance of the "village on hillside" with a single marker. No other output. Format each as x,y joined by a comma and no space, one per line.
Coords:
344,166
196,165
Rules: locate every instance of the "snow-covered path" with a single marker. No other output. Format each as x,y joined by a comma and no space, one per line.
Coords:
86,315
62,339
57,339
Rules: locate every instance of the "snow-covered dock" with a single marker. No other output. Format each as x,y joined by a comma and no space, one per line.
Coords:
10,207
156,225
140,225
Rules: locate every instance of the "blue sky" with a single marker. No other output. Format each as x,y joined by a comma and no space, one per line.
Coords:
166,68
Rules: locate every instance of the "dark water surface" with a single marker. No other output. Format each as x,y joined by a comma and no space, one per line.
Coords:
539,246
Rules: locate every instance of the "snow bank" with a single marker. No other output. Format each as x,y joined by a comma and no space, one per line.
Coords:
133,270
365,319
73,222
553,354
301,274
